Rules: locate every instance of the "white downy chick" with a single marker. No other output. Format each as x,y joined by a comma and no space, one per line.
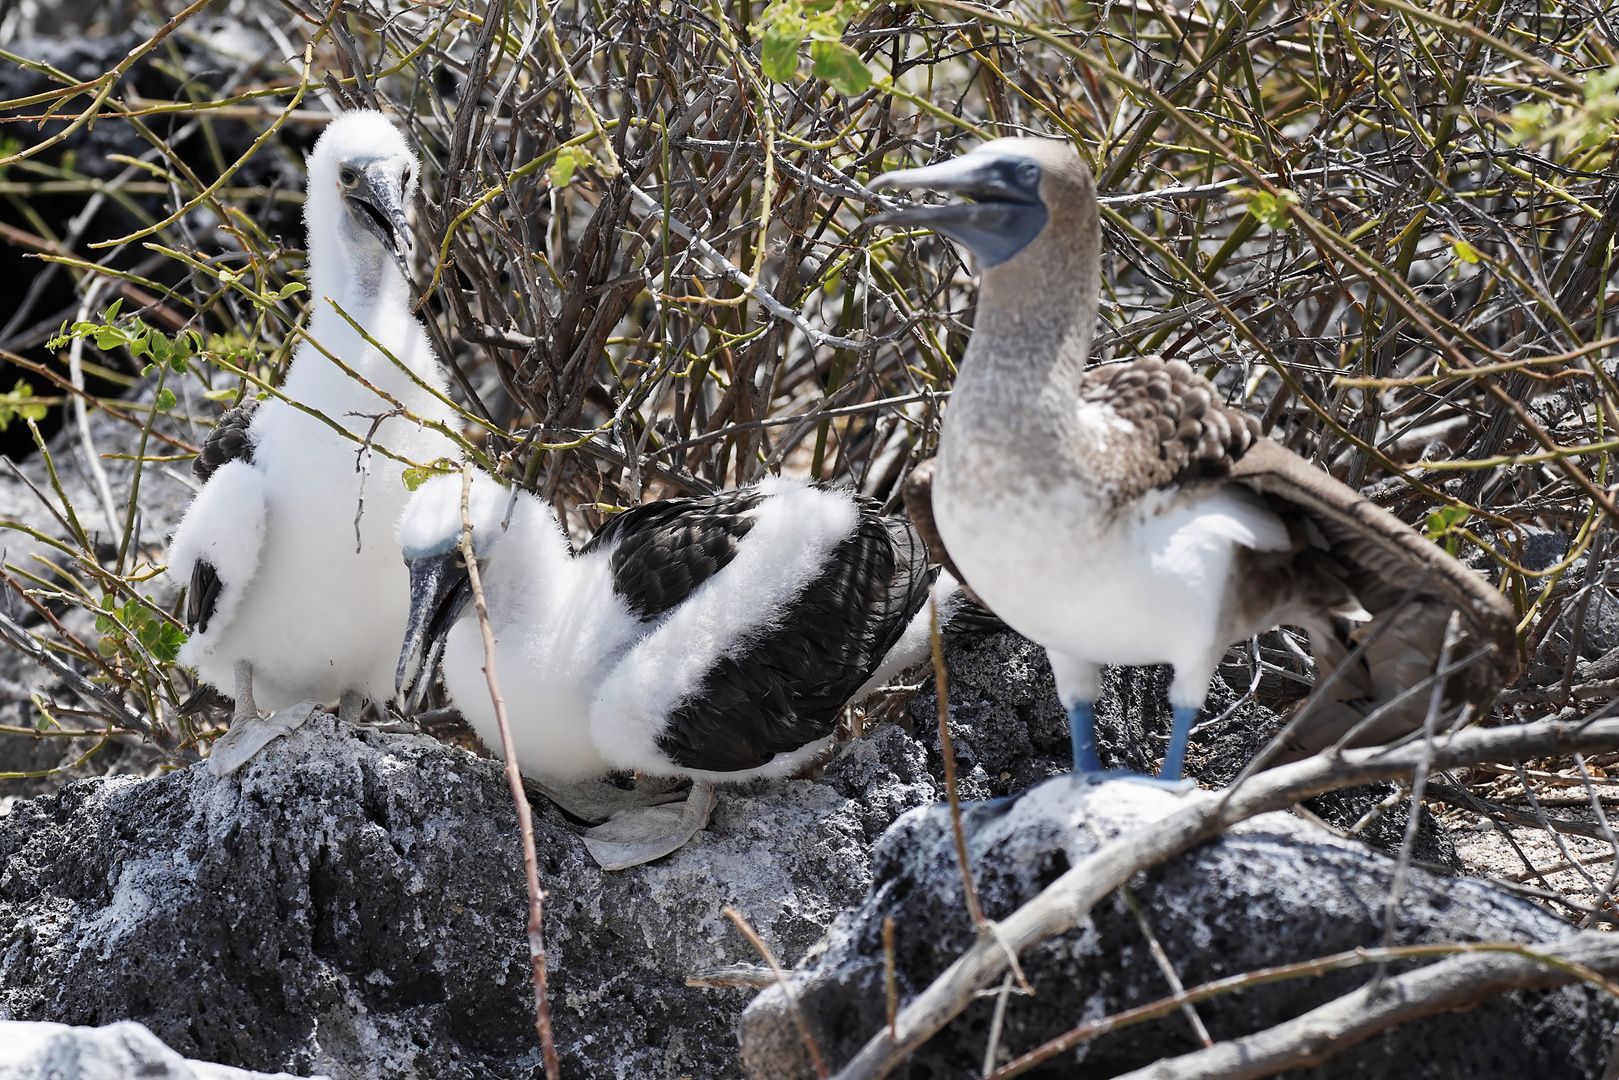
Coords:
281,578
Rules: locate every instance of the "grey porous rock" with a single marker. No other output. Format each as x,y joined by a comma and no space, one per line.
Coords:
1273,890
1010,733
352,903
41,1051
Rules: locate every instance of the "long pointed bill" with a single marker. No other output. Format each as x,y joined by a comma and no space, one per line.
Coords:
1006,212
439,589
379,202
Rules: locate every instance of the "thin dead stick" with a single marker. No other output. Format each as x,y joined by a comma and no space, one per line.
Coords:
993,1046
1061,905
948,751
1554,959
1413,822
890,974
1327,1031
525,822
1161,958
787,991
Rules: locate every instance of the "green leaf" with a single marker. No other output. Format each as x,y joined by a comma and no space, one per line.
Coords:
107,646
165,399
417,475
1269,209
562,168
224,393
778,52
1464,251
111,314
291,290
1442,525
109,338
840,66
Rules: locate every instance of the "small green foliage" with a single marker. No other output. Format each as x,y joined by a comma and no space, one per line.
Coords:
566,162
417,475
20,403
1443,527
1269,209
1464,251
136,336
137,616
1587,125
46,721
840,66
8,147
787,23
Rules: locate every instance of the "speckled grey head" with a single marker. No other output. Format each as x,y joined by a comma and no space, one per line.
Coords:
1015,186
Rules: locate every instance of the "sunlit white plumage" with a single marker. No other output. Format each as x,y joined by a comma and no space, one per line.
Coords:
316,606
712,638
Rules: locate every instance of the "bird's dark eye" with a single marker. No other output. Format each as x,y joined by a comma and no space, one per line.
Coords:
348,177
405,180
1028,174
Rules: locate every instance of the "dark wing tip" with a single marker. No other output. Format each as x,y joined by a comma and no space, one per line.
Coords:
229,441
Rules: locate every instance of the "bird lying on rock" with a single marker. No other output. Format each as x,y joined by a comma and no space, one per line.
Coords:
716,638
1125,515
295,589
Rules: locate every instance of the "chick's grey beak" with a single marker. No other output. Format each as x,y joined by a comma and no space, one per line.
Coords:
1006,212
439,590
379,201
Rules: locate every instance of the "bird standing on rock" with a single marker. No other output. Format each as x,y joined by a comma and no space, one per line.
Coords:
295,589
1125,515
716,637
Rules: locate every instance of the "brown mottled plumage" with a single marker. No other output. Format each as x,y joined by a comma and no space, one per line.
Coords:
1125,514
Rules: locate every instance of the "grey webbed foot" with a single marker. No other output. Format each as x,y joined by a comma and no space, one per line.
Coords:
637,836
597,801
250,734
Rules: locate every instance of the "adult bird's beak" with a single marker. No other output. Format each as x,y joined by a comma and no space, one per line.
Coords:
378,199
440,587
1005,214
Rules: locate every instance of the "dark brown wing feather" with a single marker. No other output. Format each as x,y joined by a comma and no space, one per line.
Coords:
228,441
919,508
1379,558
1184,434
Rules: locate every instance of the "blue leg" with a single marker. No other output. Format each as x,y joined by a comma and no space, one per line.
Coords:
1082,729
1175,756
1088,767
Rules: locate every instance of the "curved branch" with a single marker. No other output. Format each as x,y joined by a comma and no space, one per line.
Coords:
1067,900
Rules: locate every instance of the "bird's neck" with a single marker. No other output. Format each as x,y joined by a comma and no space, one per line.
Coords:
364,282
1031,341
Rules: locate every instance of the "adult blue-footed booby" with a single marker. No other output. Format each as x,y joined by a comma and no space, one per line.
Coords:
1125,515
295,587
715,637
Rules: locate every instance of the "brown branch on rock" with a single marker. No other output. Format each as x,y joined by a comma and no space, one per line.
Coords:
525,820
1460,983
1553,959
1061,905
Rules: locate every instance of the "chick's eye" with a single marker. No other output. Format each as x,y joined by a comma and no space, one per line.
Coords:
1029,173
405,180
349,178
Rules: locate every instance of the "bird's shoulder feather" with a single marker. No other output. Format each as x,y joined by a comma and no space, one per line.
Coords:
1160,424
229,441
662,552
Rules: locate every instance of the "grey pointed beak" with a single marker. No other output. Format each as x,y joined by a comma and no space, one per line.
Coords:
439,590
379,202
1005,214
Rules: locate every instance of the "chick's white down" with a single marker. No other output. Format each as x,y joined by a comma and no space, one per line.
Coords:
316,610
588,685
